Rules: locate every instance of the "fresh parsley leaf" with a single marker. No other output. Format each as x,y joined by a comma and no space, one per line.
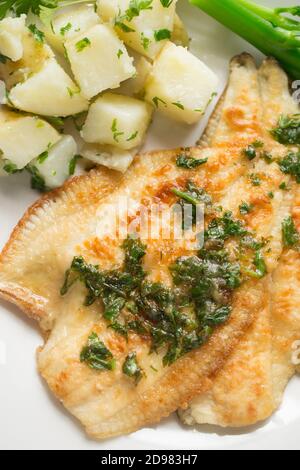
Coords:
73,163
115,131
57,122
255,179
134,9
10,168
287,131
3,59
133,136
290,234
166,3
82,44
25,6
131,367
145,41
38,35
188,162
65,29
178,105
37,181
162,34
290,165
245,208
43,157
96,355
156,100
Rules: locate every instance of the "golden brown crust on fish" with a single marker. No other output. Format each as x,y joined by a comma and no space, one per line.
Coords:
250,386
67,222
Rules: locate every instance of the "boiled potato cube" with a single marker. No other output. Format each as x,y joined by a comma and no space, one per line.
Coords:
24,138
35,55
11,34
117,120
136,85
145,28
55,166
99,60
180,85
68,24
50,92
109,156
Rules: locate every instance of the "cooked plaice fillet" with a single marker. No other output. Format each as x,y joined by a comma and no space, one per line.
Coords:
67,223
250,387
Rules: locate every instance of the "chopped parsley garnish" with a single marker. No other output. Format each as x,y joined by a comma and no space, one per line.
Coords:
132,136
134,9
57,122
245,208
96,355
82,44
124,27
38,35
166,3
268,158
43,157
131,367
162,34
65,29
156,100
290,165
178,105
283,186
73,163
37,181
260,264
120,53
193,195
115,131
290,234
188,162
255,179
176,318
10,168
3,59
251,151
145,41
287,131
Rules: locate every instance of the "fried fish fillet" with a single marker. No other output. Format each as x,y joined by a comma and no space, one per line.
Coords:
251,385
67,223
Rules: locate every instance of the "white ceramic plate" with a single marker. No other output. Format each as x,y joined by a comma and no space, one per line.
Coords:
29,417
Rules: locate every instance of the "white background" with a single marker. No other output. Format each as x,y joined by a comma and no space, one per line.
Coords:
30,418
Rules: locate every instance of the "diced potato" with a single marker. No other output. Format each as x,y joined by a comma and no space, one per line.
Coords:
24,138
180,35
99,60
56,165
146,32
117,120
11,34
180,85
136,85
68,24
35,55
109,156
50,92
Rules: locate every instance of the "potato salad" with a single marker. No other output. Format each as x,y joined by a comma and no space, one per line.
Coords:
80,82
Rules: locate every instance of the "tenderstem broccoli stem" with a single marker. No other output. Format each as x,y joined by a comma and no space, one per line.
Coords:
265,28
